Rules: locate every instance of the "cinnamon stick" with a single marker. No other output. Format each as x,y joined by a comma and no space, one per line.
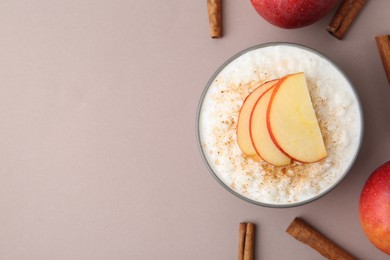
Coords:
344,17
383,43
303,232
249,251
246,241
241,241
214,8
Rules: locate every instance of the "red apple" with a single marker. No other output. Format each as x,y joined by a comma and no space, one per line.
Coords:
293,13
374,208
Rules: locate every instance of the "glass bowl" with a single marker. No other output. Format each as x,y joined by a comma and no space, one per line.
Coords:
256,182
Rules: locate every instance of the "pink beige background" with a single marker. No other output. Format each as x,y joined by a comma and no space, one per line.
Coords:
97,136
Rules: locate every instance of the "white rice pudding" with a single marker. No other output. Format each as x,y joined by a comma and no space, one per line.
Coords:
336,106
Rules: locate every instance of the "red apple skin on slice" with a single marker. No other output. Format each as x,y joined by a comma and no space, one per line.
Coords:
243,133
260,136
292,122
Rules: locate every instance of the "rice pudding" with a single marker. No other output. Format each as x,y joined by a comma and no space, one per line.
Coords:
338,112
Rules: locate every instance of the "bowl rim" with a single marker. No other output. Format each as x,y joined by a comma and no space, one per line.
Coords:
281,205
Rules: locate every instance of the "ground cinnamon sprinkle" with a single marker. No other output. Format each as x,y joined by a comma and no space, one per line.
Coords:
297,174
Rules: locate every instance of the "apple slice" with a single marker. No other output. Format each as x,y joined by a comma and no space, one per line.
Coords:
260,136
243,133
292,122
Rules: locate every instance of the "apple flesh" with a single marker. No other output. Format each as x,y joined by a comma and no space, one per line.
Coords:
243,133
261,138
292,122
293,13
374,208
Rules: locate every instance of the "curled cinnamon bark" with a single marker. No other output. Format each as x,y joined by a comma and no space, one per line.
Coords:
303,232
246,241
344,17
214,8
249,252
383,43
241,241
